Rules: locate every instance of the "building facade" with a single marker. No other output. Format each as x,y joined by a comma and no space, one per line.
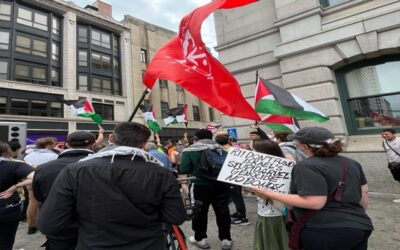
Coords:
342,56
54,50
146,39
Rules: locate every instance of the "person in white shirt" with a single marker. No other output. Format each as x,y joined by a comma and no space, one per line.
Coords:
270,232
391,144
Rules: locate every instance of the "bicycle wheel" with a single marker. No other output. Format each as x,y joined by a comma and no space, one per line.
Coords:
178,239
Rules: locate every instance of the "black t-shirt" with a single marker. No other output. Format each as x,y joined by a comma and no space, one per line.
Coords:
320,176
11,172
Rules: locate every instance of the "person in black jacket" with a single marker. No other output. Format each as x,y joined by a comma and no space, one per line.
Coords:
11,174
79,145
119,197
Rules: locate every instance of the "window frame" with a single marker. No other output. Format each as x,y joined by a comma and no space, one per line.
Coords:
345,98
100,109
163,83
196,115
143,55
326,3
164,109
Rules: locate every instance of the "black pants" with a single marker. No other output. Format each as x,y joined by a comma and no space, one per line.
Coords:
57,244
216,195
335,238
237,198
9,220
395,171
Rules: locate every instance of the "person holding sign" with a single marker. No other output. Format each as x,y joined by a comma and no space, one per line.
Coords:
329,215
270,232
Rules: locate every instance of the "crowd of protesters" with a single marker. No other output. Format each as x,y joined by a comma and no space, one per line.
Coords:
73,194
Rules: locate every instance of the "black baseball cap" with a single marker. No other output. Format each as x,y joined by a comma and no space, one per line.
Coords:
312,136
80,138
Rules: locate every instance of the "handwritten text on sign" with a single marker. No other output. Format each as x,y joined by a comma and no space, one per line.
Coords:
248,168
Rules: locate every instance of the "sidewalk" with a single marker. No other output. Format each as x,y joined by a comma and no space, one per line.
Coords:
384,214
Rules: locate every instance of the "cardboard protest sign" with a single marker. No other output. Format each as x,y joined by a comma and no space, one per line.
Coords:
249,168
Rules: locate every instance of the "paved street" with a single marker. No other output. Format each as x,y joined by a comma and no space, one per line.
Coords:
382,210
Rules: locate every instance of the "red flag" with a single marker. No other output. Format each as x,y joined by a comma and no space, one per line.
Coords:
186,61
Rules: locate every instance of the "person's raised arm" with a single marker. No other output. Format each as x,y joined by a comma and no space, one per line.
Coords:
100,137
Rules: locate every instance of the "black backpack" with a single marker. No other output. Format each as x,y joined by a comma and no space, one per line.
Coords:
211,162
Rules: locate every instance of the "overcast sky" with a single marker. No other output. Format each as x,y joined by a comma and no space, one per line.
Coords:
164,13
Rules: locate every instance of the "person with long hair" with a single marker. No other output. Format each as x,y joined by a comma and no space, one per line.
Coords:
270,232
336,223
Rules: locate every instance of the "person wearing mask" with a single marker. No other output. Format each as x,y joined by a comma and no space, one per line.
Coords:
337,217
79,145
118,197
11,174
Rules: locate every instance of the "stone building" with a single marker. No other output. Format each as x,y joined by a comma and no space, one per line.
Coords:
145,40
342,56
54,49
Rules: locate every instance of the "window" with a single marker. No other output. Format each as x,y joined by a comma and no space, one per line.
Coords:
163,83
106,111
117,87
3,70
32,19
31,45
178,87
102,85
143,55
82,34
55,51
371,96
19,106
116,66
5,11
4,39
196,113
164,109
211,114
101,39
83,82
115,43
3,105
56,109
38,108
55,77
82,58
101,62
327,3
55,26
31,73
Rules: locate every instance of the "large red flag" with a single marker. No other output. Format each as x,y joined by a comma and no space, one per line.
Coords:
186,61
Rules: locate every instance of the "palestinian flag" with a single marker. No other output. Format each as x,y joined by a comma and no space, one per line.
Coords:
83,108
176,115
281,123
149,117
271,99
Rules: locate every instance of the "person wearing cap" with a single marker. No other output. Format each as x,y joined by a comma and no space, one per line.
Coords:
79,145
257,134
337,224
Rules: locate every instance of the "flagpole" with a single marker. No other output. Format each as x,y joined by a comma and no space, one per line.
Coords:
256,122
145,92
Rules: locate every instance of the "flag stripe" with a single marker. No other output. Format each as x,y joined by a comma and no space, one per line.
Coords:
282,96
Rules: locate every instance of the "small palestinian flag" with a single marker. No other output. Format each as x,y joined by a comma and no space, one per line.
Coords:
176,115
281,123
271,99
149,117
83,108
213,128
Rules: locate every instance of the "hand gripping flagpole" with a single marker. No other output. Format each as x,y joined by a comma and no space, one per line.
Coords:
145,92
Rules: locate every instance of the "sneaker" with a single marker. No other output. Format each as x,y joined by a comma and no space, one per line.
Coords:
203,244
241,221
226,244
396,201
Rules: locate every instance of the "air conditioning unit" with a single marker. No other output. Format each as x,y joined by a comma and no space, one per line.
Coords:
13,131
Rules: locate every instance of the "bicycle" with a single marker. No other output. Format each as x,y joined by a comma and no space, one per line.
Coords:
176,239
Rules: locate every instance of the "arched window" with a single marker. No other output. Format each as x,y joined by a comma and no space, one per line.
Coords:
370,94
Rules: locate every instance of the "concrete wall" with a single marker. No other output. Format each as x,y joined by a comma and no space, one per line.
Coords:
299,46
